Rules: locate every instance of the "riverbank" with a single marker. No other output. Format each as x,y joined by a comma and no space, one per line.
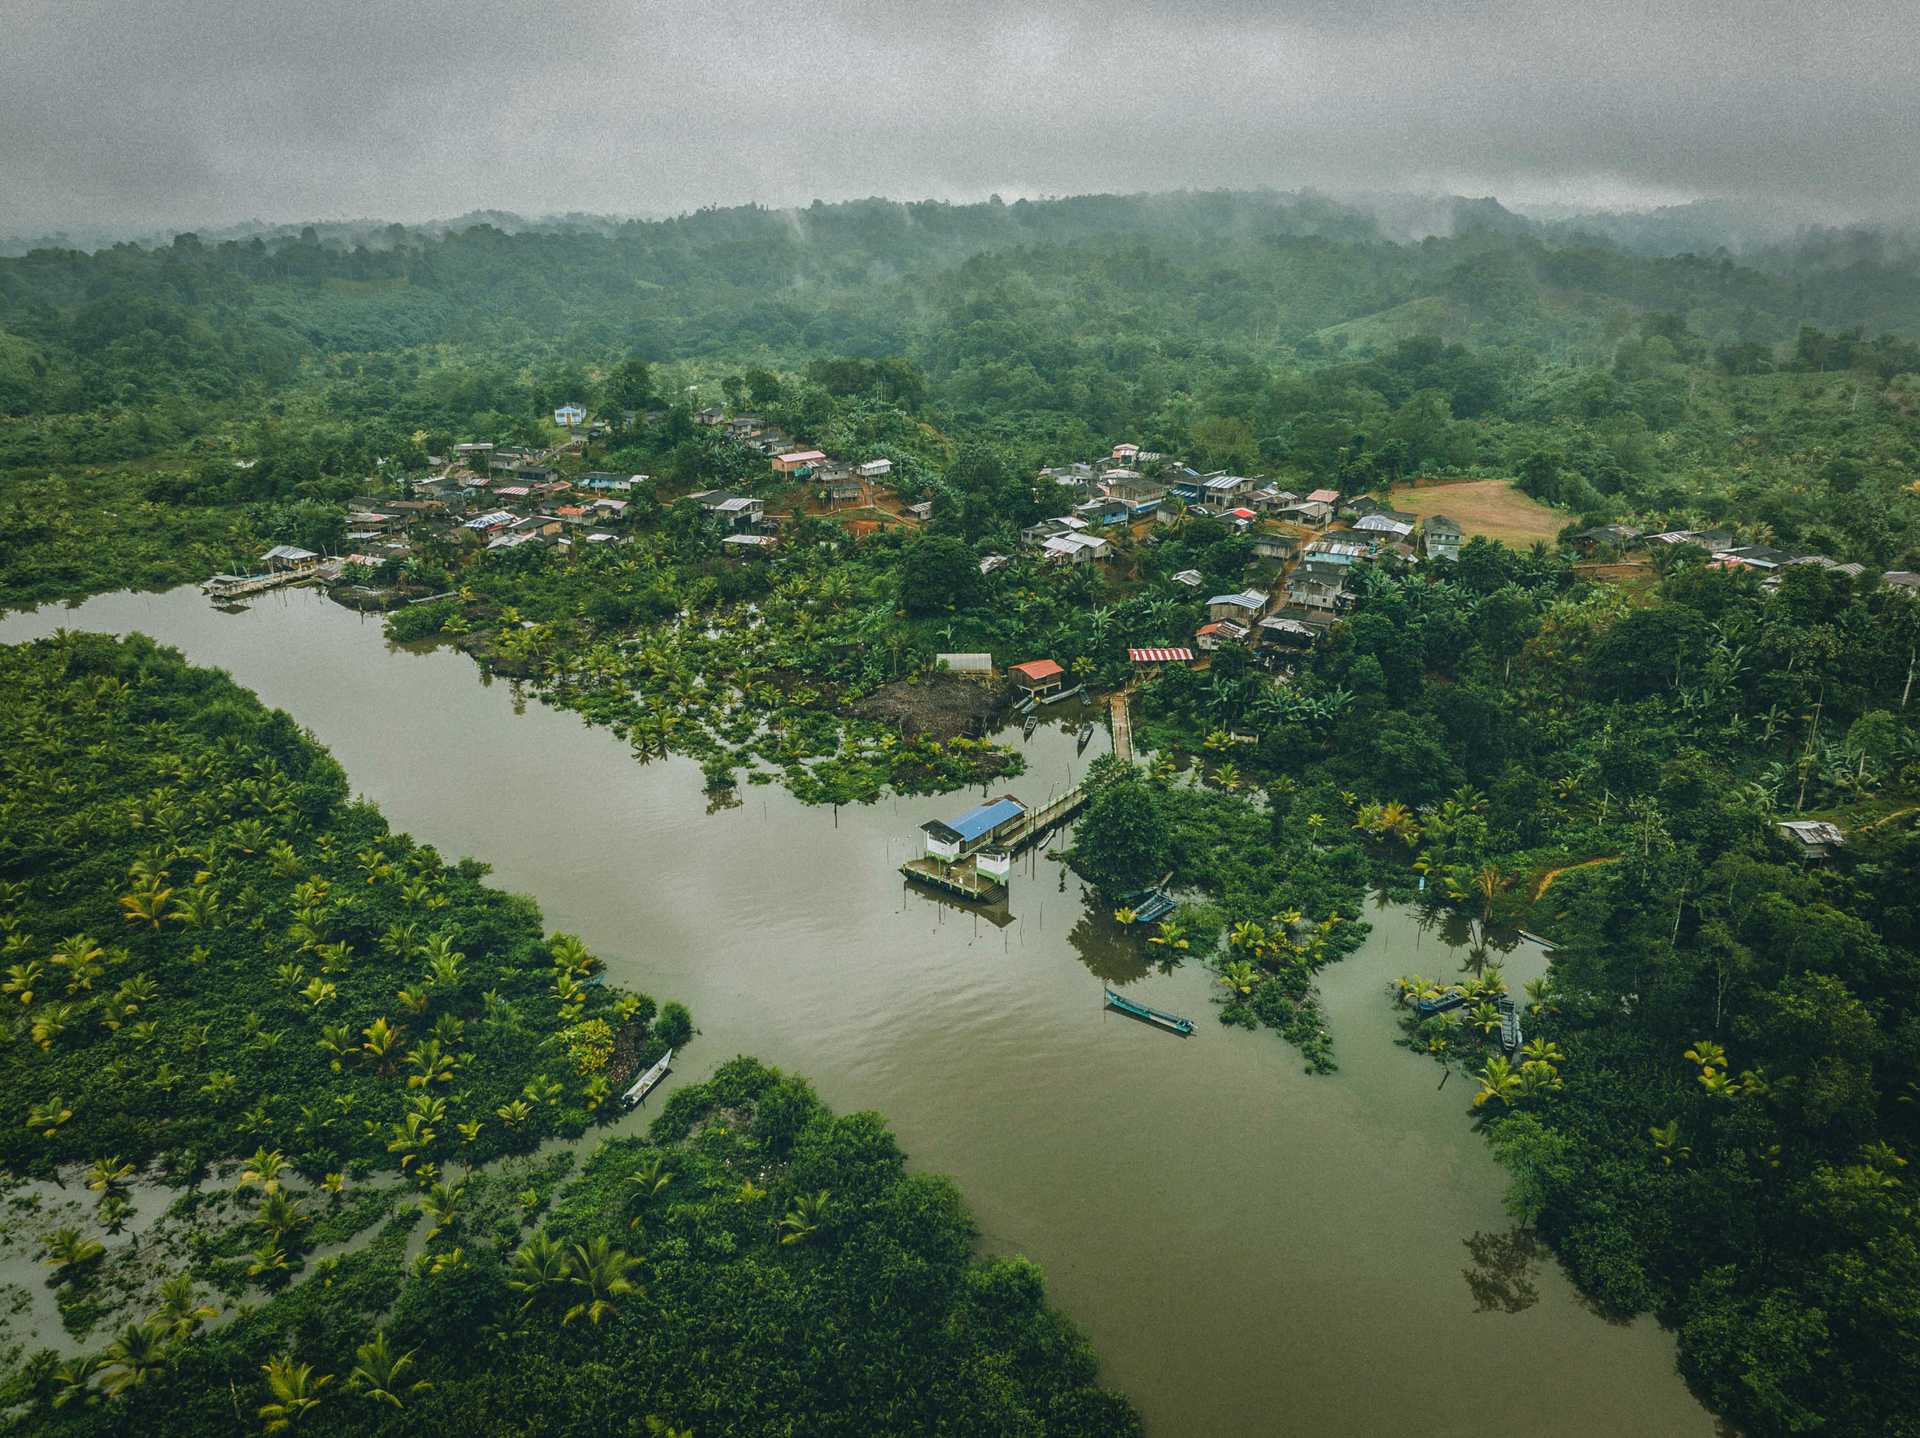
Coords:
1327,1215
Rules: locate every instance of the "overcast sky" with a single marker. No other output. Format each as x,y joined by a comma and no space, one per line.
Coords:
196,112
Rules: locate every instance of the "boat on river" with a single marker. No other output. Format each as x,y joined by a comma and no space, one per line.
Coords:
1085,736
1033,723
1173,1023
647,1081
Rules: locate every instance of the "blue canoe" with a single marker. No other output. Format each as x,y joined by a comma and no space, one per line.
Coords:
1171,1022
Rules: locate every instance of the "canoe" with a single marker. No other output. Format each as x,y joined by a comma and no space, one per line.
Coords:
645,1084
1086,734
1172,1022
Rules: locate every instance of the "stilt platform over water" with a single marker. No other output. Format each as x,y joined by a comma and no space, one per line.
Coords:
964,878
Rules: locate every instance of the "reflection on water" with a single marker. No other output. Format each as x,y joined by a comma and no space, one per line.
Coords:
1302,1233
1504,1265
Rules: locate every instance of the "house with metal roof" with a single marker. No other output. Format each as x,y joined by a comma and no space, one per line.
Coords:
952,840
1243,608
1812,839
1037,676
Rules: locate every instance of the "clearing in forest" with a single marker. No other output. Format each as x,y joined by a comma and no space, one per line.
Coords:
1490,507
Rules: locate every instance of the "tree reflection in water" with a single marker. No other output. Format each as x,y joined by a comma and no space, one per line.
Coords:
1501,1279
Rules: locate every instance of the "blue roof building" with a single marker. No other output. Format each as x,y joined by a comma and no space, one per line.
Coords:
978,826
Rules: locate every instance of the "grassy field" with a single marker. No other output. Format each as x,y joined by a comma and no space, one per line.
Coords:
1492,507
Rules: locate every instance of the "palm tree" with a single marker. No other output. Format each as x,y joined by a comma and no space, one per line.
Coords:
441,1204
1498,1081
264,1168
147,904
809,1214
137,1352
82,958
109,1175
1539,994
431,1065
51,1022
295,1390
69,1249
1708,1054
1171,935
647,1183
384,1044
537,1266
23,979
1240,977
380,1375
180,1309
48,1116
280,1214
1486,1017
1666,1142
1544,1051
73,1378
600,1270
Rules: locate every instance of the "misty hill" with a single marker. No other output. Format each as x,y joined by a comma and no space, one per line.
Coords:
1000,302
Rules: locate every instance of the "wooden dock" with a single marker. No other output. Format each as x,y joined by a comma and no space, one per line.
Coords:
1122,713
225,586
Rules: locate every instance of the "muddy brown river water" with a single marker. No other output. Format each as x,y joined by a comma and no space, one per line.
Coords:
1252,1250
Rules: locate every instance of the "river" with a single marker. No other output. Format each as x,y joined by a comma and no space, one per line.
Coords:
1252,1250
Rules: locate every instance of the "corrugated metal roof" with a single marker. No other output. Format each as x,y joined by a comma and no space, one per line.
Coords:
980,820
1159,656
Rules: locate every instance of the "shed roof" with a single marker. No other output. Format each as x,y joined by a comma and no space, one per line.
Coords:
1038,669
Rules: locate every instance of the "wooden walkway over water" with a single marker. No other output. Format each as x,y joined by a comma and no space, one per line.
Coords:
1122,713
233,586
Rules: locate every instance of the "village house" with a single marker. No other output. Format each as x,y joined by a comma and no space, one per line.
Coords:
1036,535
1270,500
1075,549
1441,537
1711,540
608,511
1037,677
874,470
923,511
1308,513
1275,544
570,415
489,522
1225,490
799,462
600,482
991,562
1125,453
575,514
742,546
980,826
1317,584
1811,839
736,511
1103,511
1763,557
1132,486
1284,632
1075,477
741,426
1385,526
1210,637
712,415
1614,536
1192,578
1901,579
284,557
1242,608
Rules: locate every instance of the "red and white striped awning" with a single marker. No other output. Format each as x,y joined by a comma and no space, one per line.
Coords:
1159,656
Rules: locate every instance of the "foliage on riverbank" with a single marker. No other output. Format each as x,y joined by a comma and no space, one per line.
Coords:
1276,905
760,1265
210,948
1713,1119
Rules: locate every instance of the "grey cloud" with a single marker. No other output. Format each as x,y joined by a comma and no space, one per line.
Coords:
181,112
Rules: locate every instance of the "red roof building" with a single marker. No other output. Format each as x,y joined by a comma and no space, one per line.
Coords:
1037,675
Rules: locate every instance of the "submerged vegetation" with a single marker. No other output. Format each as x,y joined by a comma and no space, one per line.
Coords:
224,976
214,958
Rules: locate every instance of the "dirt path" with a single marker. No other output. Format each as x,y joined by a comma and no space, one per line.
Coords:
1546,879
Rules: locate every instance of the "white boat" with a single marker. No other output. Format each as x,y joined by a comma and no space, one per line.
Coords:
644,1085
